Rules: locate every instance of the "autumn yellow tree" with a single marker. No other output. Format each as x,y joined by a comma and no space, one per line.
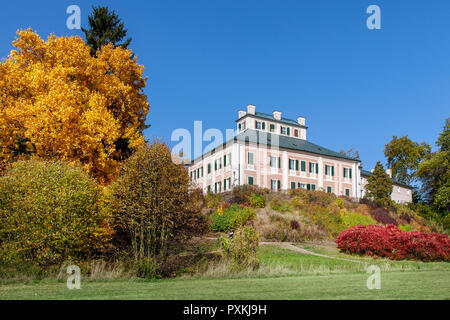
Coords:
59,102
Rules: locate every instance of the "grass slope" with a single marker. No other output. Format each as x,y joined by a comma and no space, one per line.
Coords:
300,277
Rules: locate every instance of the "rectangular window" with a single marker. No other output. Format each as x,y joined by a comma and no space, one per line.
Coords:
275,162
303,166
295,132
258,125
209,189
308,186
264,126
350,173
345,173
347,192
292,185
329,189
329,170
313,167
272,127
313,187
301,185
250,158
291,164
275,185
250,181
283,130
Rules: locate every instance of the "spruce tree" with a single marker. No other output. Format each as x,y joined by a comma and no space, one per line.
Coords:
105,27
379,187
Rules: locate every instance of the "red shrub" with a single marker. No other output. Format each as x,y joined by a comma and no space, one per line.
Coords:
393,243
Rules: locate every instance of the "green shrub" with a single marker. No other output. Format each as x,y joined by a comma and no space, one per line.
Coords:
213,200
152,202
240,251
330,223
350,219
51,212
405,227
257,200
339,202
280,205
225,219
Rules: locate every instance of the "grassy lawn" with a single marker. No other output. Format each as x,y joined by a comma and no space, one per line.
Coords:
299,277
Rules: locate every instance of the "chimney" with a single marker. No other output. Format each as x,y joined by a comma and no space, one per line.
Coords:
277,115
242,113
251,109
301,120
389,173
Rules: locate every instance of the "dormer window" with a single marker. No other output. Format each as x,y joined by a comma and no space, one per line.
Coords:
241,126
259,125
285,130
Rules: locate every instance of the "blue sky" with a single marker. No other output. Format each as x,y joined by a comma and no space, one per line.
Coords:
207,59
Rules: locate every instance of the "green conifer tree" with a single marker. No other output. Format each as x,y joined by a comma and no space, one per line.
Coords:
379,187
105,27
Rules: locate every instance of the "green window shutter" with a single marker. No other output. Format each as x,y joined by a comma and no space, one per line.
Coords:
350,173
317,168
264,126
332,171
347,192
279,162
304,166
310,167
313,187
278,184
209,167
215,165
224,184
288,131
329,189
345,172
308,186
250,181
296,165
292,185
